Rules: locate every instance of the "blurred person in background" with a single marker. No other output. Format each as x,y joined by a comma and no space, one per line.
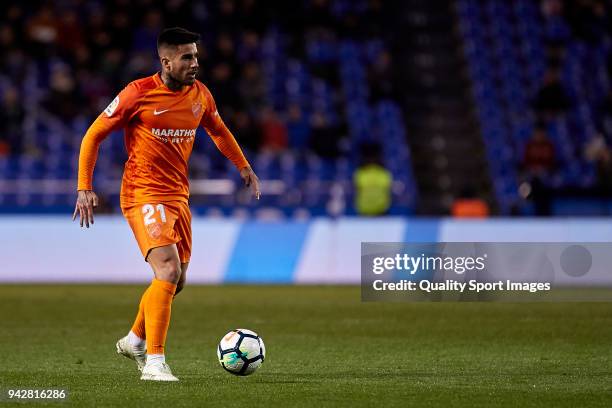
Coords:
274,137
539,161
248,132
42,31
64,99
589,19
251,87
604,172
298,128
223,85
12,116
381,78
551,100
324,137
539,158
598,152
605,115
373,183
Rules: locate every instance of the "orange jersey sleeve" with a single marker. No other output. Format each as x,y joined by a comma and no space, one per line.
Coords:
114,117
220,134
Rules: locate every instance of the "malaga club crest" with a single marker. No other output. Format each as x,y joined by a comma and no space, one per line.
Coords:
196,108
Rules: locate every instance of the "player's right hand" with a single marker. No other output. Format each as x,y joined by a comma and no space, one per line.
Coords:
87,200
251,180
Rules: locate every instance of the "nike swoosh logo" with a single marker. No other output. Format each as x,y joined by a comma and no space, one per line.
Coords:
156,112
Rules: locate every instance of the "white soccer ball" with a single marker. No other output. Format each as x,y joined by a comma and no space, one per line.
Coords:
241,352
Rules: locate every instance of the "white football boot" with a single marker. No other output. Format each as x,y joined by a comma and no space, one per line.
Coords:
133,353
157,371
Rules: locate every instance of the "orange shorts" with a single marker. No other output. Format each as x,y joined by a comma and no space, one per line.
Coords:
158,224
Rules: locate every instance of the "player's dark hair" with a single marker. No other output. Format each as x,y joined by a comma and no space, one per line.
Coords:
176,36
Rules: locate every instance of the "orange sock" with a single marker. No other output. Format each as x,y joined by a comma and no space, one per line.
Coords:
139,324
157,308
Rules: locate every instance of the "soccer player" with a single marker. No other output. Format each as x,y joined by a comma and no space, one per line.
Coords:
160,115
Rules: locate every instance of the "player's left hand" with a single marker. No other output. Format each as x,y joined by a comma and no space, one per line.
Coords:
251,180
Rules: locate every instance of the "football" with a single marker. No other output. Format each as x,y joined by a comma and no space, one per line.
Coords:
241,352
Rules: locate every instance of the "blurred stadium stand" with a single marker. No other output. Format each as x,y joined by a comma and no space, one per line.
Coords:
449,89
513,49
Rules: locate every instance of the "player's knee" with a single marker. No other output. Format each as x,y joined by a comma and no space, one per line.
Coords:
169,271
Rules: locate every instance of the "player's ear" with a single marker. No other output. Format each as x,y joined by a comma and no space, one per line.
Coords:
165,63
165,57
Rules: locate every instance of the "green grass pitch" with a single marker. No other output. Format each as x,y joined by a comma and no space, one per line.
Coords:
325,348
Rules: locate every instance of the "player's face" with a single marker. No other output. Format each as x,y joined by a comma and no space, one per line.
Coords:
183,64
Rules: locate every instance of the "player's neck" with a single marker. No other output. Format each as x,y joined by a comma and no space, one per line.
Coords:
171,83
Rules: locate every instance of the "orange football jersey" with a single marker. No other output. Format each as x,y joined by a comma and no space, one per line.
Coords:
160,128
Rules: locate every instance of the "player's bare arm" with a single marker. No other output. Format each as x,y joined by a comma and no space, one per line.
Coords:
86,201
251,180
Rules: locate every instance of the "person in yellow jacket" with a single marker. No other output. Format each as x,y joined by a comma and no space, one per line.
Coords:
373,183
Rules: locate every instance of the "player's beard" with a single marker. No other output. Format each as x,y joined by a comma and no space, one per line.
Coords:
175,83
188,78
